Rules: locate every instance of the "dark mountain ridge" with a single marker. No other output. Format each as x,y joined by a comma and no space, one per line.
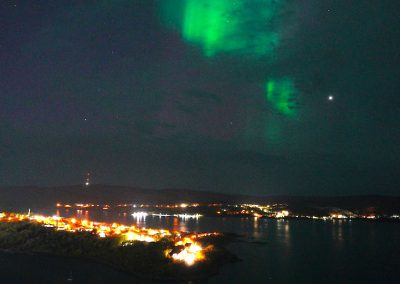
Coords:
34,197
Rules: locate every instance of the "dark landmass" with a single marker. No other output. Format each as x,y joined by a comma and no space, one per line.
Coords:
17,268
144,260
21,198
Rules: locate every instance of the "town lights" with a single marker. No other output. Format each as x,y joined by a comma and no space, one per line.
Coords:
185,249
189,254
282,214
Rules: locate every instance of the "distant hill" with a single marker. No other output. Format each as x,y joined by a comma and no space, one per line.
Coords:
42,197
21,198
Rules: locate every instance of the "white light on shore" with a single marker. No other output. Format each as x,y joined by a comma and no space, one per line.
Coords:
139,215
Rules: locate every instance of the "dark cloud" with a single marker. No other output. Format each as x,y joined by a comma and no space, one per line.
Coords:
204,95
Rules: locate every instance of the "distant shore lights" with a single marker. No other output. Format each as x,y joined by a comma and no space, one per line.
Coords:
143,215
182,216
140,215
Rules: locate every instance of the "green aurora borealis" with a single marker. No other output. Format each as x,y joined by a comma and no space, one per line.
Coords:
237,28
282,96
226,26
219,95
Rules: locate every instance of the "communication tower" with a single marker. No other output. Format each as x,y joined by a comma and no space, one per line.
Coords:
87,179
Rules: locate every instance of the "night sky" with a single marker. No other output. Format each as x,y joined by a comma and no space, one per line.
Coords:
236,96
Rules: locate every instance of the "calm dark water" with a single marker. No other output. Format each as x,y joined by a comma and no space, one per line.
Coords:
276,251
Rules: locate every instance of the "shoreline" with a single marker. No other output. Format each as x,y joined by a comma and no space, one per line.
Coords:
170,256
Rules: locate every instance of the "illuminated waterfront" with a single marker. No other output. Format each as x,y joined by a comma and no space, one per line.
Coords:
186,248
191,210
275,250
315,248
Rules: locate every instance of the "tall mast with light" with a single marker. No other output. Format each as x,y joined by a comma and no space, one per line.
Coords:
87,179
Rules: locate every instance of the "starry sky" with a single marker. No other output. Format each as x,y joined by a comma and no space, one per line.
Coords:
255,97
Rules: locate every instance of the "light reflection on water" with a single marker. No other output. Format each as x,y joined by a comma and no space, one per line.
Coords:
289,251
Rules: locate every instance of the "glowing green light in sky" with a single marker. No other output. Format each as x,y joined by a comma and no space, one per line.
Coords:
282,95
247,27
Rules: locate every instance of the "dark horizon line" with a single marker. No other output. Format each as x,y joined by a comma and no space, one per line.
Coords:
204,191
